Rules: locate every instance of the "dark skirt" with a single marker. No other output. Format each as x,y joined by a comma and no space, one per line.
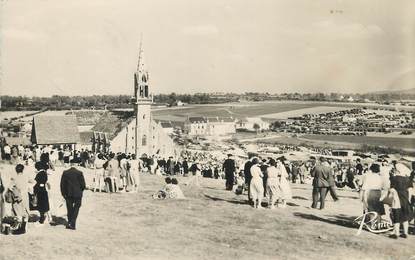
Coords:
405,213
66,159
42,200
373,202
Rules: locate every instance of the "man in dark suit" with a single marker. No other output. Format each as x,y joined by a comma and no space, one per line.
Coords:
170,166
185,166
72,187
321,174
229,168
248,177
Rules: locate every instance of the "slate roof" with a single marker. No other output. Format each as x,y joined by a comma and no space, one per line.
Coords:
112,122
166,124
54,130
211,120
197,119
227,119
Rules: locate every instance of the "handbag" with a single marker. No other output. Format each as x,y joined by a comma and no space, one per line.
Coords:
32,201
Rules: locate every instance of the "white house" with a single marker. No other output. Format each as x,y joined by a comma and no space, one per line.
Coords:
221,125
210,126
196,126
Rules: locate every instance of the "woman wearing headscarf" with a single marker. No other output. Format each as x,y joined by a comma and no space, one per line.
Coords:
256,186
401,208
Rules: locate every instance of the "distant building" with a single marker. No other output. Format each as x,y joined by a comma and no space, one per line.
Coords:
55,130
220,125
350,99
210,126
196,126
249,124
178,103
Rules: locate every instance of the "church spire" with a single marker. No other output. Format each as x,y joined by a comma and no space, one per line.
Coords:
141,89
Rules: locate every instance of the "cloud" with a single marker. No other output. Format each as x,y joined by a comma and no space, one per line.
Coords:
200,30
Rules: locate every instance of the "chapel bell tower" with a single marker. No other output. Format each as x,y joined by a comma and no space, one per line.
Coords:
142,101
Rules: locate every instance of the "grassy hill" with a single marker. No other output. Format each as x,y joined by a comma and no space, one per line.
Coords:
210,224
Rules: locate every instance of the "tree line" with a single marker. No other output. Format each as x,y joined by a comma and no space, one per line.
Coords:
57,102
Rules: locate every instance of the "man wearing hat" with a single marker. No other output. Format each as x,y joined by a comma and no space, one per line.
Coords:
72,187
229,169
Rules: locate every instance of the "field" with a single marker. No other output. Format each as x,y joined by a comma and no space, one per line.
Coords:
210,224
398,143
242,110
12,114
300,112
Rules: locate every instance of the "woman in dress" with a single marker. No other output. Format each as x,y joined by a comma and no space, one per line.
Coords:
283,184
112,174
134,172
41,192
123,171
196,170
99,172
401,207
21,181
256,186
371,191
272,183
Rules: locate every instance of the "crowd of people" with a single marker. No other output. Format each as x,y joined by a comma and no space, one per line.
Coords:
24,190
383,186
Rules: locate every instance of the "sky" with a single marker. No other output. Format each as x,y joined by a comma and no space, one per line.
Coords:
79,47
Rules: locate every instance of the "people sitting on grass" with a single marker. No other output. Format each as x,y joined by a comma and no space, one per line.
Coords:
171,190
176,192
